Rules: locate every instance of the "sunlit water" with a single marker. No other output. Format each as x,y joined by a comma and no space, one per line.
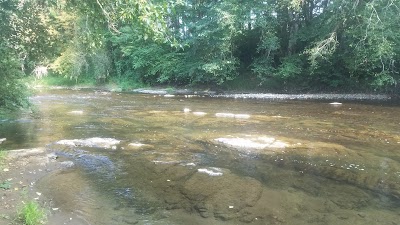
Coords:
199,160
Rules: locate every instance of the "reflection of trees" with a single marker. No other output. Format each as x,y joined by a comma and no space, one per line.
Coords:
19,133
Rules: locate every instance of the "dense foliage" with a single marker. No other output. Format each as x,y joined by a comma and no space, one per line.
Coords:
320,45
12,91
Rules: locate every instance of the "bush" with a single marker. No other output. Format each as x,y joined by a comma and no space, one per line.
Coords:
13,92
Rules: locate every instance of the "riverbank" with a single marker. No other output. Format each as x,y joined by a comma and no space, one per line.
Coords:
238,91
171,92
20,171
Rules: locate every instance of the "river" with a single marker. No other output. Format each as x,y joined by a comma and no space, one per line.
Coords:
164,159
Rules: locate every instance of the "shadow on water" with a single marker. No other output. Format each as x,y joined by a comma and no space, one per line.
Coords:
194,160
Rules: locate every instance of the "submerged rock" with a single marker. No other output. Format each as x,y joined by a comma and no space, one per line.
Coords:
225,197
252,143
67,164
333,161
137,145
98,165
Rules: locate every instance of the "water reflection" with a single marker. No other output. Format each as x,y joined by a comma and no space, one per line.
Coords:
217,161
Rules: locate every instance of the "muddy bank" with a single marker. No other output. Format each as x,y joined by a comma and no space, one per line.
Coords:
20,173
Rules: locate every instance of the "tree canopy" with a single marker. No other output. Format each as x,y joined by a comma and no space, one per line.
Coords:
331,45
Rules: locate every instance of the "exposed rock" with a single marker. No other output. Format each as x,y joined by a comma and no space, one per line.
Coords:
232,115
2,140
95,142
211,171
225,115
137,146
78,112
24,152
199,113
151,91
52,156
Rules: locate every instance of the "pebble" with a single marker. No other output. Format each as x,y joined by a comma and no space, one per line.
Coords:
6,169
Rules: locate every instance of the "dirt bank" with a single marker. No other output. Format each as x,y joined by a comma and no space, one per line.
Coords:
20,171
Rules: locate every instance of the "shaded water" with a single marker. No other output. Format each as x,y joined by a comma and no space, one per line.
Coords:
276,162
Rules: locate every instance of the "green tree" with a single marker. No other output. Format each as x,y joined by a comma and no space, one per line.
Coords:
12,90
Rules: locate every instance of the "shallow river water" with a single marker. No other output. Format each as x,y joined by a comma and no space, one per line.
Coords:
154,159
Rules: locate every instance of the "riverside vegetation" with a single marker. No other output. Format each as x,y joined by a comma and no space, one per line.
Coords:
286,45
29,212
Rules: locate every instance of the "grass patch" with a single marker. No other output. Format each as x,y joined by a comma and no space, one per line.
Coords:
124,84
170,90
3,155
31,214
6,185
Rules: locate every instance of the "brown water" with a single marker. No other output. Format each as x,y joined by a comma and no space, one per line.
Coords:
277,162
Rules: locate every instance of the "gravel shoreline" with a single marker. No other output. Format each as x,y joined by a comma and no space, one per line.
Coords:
266,96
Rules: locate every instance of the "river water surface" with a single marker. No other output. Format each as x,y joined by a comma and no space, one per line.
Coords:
153,159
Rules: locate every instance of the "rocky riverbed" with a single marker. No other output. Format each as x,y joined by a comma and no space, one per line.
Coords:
181,158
